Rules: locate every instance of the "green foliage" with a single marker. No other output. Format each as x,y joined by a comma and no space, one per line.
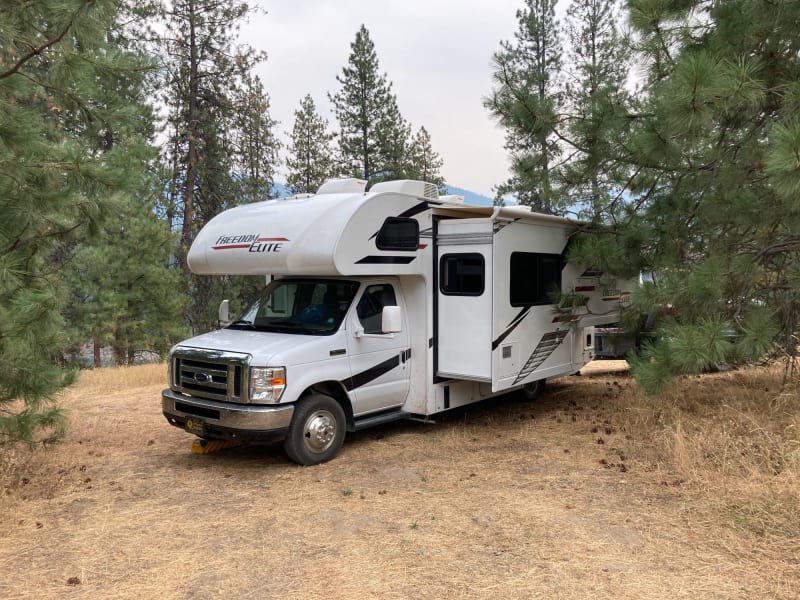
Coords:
525,100
424,162
221,150
783,159
757,332
310,162
607,250
254,147
594,118
684,349
693,177
123,293
565,304
373,136
653,367
66,109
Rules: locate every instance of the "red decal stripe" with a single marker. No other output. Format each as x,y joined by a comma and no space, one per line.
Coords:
273,239
558,319
231,247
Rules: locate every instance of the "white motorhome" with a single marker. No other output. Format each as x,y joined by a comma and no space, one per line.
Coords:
382,305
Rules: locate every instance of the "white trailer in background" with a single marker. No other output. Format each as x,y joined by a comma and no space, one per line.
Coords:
388,304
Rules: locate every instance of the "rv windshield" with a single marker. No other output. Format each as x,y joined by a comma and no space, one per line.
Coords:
306,306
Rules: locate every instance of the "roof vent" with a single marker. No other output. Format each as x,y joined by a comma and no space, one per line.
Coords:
421,189
452,199
343,186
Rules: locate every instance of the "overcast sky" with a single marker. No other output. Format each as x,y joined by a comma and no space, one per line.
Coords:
437,54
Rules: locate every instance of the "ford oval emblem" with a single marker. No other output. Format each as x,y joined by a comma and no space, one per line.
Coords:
202,377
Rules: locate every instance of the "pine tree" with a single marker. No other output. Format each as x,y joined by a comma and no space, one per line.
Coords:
425,162
220,133
372,134
395,142
63,104
256,146
713,156
311,160
199,71
525,101
596,106
122,291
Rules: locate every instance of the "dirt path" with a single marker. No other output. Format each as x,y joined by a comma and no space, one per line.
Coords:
505,500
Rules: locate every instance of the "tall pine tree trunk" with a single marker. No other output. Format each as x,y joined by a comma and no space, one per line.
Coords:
192,162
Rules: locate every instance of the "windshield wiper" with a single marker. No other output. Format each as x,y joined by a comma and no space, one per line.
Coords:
296,326
243,323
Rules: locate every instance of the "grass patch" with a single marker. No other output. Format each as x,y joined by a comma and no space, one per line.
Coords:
734,437
507,498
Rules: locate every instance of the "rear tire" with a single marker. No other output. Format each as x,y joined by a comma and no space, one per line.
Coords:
531,391
317,430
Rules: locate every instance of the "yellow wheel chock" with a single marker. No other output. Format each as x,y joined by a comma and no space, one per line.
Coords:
209,446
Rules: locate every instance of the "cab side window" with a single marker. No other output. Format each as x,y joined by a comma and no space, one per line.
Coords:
370,307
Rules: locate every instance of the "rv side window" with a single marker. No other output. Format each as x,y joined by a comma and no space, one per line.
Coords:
370,307
534,278
398,234
462,274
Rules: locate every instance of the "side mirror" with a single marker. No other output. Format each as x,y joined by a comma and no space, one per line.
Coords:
391,319
224,313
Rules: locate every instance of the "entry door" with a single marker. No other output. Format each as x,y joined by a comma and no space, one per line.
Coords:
464,299
380,363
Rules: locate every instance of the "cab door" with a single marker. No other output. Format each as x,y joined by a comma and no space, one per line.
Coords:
379,362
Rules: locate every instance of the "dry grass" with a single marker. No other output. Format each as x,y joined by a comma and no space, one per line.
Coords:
114,379
593,491
734,439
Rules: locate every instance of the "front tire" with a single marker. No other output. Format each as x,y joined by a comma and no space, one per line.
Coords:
317,430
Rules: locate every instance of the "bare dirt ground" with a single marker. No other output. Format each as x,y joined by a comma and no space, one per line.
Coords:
592,491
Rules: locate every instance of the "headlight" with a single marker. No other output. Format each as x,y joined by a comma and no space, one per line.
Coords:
266,384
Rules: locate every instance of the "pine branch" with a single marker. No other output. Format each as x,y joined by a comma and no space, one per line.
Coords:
780,248
37,50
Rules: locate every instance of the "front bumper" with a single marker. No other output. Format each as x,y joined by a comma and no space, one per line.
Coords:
226,421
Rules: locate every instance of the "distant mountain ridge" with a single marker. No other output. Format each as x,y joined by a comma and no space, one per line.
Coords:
471,198
279,190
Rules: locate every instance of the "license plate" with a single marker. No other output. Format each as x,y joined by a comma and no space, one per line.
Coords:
195,426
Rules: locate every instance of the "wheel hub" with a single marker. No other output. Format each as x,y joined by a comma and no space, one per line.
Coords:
320,431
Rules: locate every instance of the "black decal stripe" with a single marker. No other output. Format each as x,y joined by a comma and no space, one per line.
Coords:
414,210
565,251
502,225
373,373
546,346
511,327
385,260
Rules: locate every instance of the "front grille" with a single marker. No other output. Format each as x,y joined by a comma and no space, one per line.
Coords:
211,375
